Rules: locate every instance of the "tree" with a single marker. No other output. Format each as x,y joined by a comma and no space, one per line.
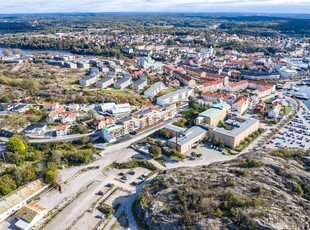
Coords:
215,141
16,145
150,140
221,144
15,158
81,129
50,176
7,185
6,52
155,151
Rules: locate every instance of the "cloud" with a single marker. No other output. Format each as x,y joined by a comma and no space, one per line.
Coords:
48,6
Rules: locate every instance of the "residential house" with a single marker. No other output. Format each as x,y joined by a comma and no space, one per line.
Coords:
50,105
236,86
88,80
68,117
104,121
184,79
61,130
241,105
140,83
19,108
213,97
36,129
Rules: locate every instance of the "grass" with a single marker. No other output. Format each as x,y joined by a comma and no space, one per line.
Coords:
287,110
161,161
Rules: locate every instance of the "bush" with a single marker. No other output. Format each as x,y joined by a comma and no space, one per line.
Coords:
134,164
155,151
250,163
16,145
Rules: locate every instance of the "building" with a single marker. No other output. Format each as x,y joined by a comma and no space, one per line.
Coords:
68,117
128,124
113,132
145,117
167,111
116,110
12,202
184,79
194,72
88,80
212,76
154,89
236,86
235,130
175,96
214,115
50,106
140,84
36,129
55,114
19,108
29,215
264,91
122,83
213,85
104,121
187,139
174,130
241,105
105,82
61,130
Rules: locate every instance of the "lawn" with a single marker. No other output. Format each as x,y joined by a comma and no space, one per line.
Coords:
287,110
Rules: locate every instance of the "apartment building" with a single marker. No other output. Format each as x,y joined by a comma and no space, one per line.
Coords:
154,89
167,111
112,133
88,80
214,115
236,86
175,96
212,97
184,79
123,83
213,85
105,82
140,84
194,72
241,105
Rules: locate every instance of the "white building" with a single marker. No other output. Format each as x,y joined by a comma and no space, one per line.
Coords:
61,130
88,80
175,96
105,82
122,83
154,89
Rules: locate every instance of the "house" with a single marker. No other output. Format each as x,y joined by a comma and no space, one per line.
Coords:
36,129
14,201
123,83
55,114
121,110
61,130
167,111
104,121
194,72
50,106
105,82
259,106
275,111
241,105
29,215
213,85
154,89
68,117
19,108
175,96
264,91
212,76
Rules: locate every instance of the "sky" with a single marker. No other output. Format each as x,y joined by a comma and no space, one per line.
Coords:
59,6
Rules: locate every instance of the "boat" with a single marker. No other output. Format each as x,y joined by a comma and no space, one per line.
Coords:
293,87
279,86
301,96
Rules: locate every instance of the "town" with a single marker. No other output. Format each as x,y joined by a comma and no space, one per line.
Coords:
108,125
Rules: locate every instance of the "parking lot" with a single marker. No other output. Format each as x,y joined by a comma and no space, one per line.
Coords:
296,134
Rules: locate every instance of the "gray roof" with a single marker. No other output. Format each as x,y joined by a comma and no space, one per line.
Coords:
168,95
238,127
189,135
123,80
154,87
175,128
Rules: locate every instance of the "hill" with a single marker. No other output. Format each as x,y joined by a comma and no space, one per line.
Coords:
263,190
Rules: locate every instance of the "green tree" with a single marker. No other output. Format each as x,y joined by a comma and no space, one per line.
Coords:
16,145
155,151
50,176
7,185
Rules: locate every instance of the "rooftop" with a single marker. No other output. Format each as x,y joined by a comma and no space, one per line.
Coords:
188,135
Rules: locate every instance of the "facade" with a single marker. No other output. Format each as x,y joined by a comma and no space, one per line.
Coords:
112,133
167,111
88,80
236,86
61,130
213,85
154,89
211,97
175,96
187,139
140,84
122,83
214,115
105,82
240,127
105,121
35,129
50,106
241,105
184,79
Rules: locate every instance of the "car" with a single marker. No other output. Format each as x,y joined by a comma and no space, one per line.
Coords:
110,185
124,178
132,172
134,183
121,174
143,176
100,216
100,193
192,158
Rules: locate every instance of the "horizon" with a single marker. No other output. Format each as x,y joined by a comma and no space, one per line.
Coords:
156,6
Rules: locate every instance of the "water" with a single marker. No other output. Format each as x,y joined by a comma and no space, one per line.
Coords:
305,89
31,51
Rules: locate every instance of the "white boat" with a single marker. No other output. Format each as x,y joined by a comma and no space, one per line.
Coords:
301,96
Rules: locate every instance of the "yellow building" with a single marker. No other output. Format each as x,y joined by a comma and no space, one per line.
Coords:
235,130
214,115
